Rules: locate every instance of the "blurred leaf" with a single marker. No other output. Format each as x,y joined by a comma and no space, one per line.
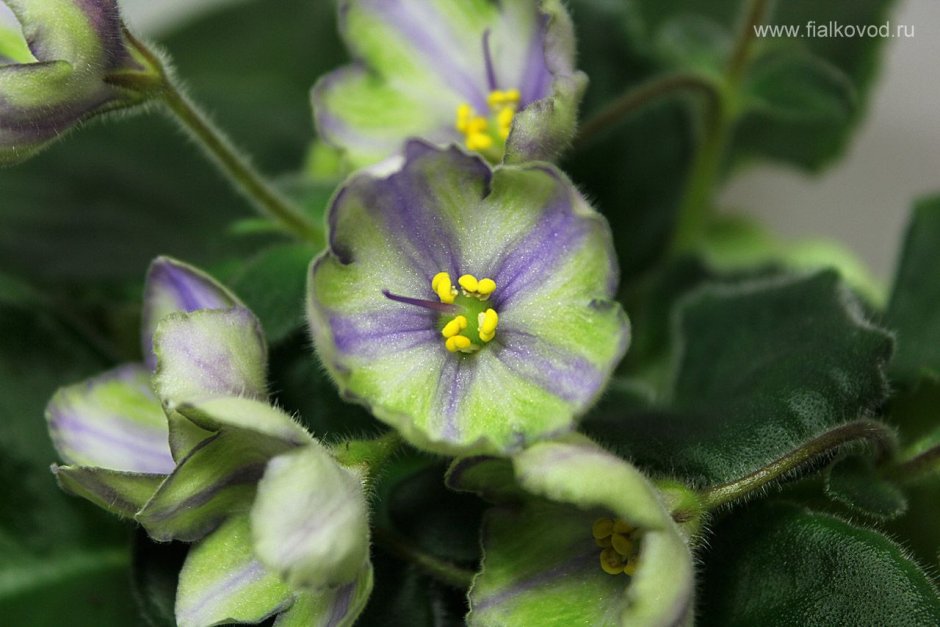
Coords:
912,310
439,521
829,77
631,173
737,243
59,556
102,204
404,597
798,108
777,564
274,284
156,569
854,482
763,367
301,386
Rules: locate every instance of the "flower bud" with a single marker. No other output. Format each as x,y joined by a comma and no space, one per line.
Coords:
74,60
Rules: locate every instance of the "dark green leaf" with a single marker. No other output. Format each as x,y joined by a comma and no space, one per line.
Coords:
302,387
59,556
834,76
912,311
156,569
854,482
792,97
274,284
763,367
778,564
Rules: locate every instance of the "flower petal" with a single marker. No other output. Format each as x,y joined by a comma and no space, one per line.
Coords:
541,560
247,415
339,607
209,354
222,581
77,45
121,493
112,421
418,60
217,479
81,32
310,520
173,286
541,567
526,227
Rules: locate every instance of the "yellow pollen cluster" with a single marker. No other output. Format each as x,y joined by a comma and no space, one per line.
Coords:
620,546
458,332
476,128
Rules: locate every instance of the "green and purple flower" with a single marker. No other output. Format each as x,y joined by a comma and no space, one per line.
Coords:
587,540
496,77
194,451
469,308
74,60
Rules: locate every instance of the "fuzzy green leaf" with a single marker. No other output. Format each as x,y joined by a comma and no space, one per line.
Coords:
855,482
763,367
781,565
912,310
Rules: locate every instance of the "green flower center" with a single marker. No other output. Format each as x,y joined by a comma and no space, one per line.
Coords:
475,326
487,134
620,545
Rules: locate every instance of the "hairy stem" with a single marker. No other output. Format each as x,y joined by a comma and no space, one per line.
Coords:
441,570
870,431
231,162
266,199
639,97
720,118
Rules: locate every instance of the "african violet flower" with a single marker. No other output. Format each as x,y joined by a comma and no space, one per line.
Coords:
196,453
469,308
497,77
79,61
591,542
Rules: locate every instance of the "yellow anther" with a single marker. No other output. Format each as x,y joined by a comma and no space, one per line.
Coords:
457,343
630,567
504,119
622,544
454,327
604,543
496,99
622,527
485,287
512,95
443,288
464,112
468,282
611,562
479,141
602,528
487,321
440,276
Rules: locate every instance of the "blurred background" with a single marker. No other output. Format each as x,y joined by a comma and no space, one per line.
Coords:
80,223
862,199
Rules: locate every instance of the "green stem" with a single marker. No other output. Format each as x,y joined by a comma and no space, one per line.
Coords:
720,117
265,198
439,569
926,462
639,97
372,454
239,171
822,446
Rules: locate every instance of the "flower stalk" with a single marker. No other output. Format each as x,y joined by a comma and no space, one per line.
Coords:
229,160
868,431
